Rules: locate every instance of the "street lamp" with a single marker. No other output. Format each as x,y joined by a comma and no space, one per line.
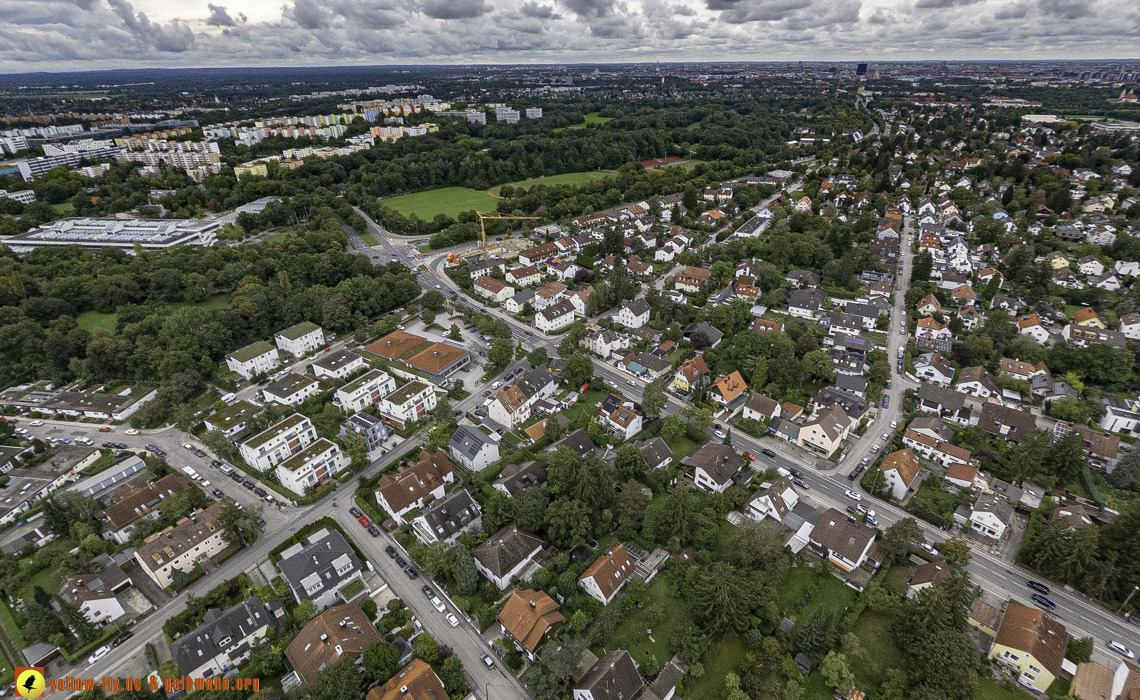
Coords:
1125,604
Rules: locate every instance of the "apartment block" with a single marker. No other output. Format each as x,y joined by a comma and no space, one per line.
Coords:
301,339
180,546
278,443
364,391
312,466
252,360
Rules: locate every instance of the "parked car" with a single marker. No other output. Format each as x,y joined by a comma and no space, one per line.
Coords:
487,661
38,423
874,449
412,574
261,492
122,638
248,484
748,456
452,620
400,561
886,436
886,401
719,433
390,551
801,483
427,591
218,493
99,653
1119,649
438,604
363,521
237,477
356,512
894,424
871,519
852,510
105,429
373,531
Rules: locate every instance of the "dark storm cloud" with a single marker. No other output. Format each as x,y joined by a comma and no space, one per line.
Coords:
590,8
173,37
535,11
742,11
307,13
219,17
943,4
1066,9
1012,11
455,9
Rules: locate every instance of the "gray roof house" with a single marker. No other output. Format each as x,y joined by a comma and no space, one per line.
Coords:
318,571
516,477
473,448
614,677
225,639
447,518
505,555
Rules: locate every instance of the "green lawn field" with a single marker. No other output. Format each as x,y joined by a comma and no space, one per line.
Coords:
591,118
91,321
567,179
446,200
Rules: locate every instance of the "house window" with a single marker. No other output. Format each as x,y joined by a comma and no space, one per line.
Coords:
1034,668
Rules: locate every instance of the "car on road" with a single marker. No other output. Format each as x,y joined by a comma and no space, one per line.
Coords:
452,620
99,653
438,287
390,551
399,327
373,531
748,456
486,393
105,429
400,561
63,441
218,493
1039,587
631,382
487,661
768,453
427,591
248,484
719,433
798,481
437,604
929,549
886,436
412,573
363,520
356,512
1115,646
122,638
886,401
853,495
1043,601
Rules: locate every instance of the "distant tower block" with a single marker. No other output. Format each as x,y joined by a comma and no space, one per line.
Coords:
861,69
534,112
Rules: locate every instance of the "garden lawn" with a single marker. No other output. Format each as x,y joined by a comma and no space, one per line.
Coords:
722,659
676,614
587,405
827,591
446,200
64,209
815,688
566,179
591,118
989,690
880,653
91,321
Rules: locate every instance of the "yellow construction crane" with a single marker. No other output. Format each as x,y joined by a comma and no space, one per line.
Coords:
483,231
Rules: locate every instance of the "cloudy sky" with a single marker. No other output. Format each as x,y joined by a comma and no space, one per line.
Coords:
89,34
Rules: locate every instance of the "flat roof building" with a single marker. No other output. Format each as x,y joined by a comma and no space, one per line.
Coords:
87,232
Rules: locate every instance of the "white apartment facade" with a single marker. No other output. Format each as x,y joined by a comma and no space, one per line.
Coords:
364,391
255,359
301,339
314,465
278,443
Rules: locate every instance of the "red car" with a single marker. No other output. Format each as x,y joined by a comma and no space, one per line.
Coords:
364,521
104,429
748,456
486,393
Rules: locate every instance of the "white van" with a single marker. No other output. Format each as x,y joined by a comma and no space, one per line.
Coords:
226,469
228,398
496,385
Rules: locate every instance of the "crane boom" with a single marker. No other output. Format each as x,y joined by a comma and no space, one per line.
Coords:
483,230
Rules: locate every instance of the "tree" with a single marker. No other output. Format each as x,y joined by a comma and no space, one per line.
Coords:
816,636
432,300
339,681
501,352
78,622
497,512
631,505
381,661
465,574
538,357
722,599
1127,473
454,677
1067,457
1079,651
630,463
956,552
357,449
239,525
42,620
903,536
818,365
580,621
529,506
836,673
701,416
454,333
305,611
757,546
426,647
923,267
653,399
760,375
578,369
672,428
568,523
552,429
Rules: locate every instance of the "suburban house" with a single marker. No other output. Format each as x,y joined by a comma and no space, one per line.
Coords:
925,576
364,391
312,466
224,640
691,278
254,359
689,372
929,328
326,639
613,677
961,475
703,334
724,389
337,364
182,545
516,477
301,339
977,381
516,303
773,500
530,618
136,501
407,404
936,450
291,390
759,407
713,466
844,542
492,289
991,516
231,420
604,342
656,452
928,306
622,422
320,570
945,403
554,317
633,314
93,597
416,681
605,577
278,442
506,554
1006,423
899,470
513,403
826,431
447,518
374,431
1031,645
524,276
806,303
416,486
934,368
473,448
1030,325
482,268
